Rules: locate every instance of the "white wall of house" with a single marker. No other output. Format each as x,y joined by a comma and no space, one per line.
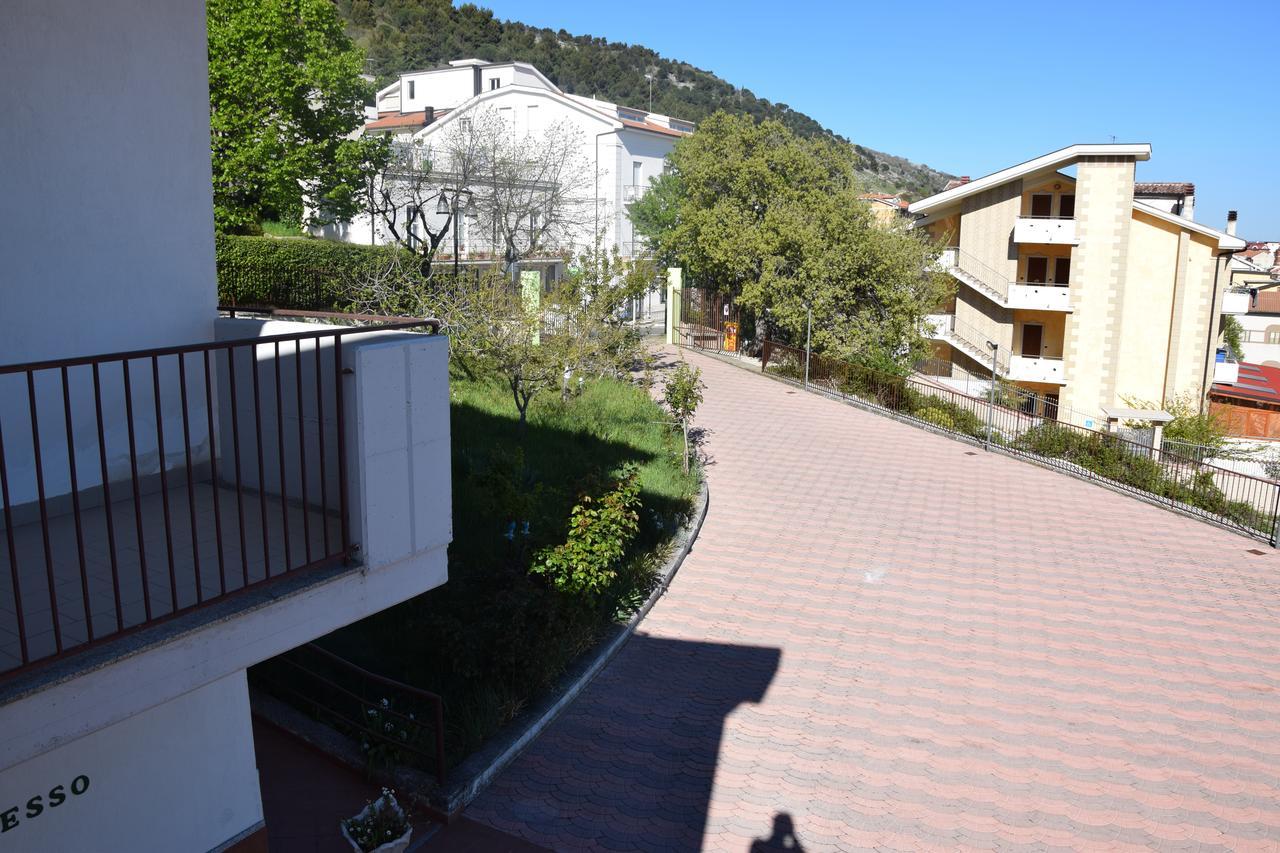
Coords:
108,220
531,105
179,776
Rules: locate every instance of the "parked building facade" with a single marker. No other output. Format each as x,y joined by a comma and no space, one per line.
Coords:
1081,292
622,147
184,495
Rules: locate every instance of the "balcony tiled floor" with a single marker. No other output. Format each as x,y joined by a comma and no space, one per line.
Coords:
237,565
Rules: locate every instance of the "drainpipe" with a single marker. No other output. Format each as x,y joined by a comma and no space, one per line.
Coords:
596,235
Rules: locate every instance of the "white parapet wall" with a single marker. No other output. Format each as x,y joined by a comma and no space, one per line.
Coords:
158,725
179,776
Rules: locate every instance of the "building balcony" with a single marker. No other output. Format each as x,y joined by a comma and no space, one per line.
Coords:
1225,368
142,487
1039,297
1043,369
1236,301
1055,230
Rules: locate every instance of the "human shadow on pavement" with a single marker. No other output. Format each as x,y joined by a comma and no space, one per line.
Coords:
783,837
630,765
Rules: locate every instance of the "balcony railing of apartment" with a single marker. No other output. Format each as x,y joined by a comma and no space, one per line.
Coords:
980,276
141,485
1226,368
968,339
1237,300
1043,368
1054,230
996,286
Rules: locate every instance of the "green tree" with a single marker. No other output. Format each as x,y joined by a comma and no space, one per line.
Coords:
284,93
774,219
682,396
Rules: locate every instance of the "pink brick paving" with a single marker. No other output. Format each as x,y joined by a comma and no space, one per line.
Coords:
893,644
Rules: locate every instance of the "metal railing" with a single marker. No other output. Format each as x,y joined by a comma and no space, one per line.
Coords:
975,273
395,724
252,287
141,485
1241,502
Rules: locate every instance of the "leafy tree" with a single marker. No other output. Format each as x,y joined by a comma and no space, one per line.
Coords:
682,395
284,92
1233,335
774,220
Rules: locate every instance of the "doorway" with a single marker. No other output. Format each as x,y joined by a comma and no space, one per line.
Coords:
1032,338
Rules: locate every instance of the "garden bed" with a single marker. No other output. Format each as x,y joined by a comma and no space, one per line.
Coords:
495,638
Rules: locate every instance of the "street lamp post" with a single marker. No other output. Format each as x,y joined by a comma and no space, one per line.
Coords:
991,393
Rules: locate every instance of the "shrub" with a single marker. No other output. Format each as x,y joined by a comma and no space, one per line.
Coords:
937,416
299,273
599,531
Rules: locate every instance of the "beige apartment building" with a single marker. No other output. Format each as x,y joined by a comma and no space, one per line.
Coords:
1079,289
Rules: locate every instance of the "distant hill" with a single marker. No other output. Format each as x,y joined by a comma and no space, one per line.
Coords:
403,35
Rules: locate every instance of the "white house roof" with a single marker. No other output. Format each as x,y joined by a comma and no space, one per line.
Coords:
495,94
1045,163
1225,241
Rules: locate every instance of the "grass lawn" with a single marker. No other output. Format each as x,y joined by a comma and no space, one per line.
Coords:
271,228
494,638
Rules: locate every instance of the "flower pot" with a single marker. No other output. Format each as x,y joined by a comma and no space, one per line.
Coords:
395,845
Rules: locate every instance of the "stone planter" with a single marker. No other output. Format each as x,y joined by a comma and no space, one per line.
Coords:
398,845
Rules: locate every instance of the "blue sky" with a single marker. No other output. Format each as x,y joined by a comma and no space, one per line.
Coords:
970,88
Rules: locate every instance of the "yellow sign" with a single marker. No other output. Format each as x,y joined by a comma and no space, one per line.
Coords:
731,337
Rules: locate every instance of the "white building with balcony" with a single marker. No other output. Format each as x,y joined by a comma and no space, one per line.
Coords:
1092,288
623,147
182,496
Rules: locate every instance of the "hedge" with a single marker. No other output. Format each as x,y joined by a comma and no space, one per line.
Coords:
294,273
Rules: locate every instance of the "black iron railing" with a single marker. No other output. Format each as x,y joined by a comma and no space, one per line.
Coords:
137,486
394,724
1239,501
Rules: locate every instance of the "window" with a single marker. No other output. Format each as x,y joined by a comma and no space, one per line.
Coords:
1273,334
1066,206
411,90
494,83
464,124
531,118
637,171
1042,204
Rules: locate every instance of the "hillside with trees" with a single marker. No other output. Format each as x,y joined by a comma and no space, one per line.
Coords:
402,35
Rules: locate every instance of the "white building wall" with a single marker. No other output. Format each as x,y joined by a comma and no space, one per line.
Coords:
107,234
441,89
608,152
180,776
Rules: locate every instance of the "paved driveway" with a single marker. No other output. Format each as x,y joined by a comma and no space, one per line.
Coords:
884,639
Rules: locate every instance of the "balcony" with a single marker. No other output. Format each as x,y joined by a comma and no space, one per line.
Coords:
1043,369
1236,301
142,486
1225,368
1053,230
1039,297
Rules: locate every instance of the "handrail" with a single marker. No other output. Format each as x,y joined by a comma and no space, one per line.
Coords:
209,346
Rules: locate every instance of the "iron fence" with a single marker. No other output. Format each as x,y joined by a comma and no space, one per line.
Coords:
394,724
1235,500
254,288
710,320
141,485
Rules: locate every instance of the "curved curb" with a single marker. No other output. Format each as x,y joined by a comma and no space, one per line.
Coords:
479,770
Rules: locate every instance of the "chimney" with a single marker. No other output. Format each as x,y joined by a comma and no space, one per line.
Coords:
1231,222
430,115
964,179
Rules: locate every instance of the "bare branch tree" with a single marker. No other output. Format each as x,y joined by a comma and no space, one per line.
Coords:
532,192
402,196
